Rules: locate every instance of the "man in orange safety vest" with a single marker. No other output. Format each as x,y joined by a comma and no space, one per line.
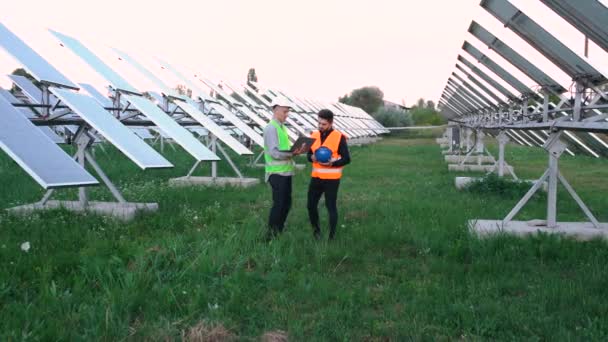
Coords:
325,177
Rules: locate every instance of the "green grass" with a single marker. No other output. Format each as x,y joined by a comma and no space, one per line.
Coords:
403,265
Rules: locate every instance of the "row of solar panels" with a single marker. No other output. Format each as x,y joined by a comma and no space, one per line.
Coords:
474,98
31,127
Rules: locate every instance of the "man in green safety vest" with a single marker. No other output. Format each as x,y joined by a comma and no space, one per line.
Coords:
279,165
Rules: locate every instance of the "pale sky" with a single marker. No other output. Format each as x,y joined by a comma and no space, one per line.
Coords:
320,49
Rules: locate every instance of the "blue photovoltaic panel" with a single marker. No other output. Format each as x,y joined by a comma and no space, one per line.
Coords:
290,121
191,108
142,132
42,159
590,17
27,112
479,84
104,101
115,132
487,79
30,90
515,58
141,69
171,128
558,53
94,62
238,123
37,66
227,114
497,69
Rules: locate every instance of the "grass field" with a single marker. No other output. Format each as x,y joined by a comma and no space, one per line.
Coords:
403,266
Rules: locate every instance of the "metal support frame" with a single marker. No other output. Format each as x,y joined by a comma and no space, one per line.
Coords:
503,140
84,143
214,145
555,147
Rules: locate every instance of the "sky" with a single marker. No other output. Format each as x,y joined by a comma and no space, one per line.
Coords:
320,49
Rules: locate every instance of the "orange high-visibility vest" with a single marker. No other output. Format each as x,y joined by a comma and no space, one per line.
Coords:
332,142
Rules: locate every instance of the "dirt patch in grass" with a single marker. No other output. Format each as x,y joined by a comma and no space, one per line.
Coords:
275,336
207,332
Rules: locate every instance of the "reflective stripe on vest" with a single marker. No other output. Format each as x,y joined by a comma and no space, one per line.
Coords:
337,170
333,143
279,165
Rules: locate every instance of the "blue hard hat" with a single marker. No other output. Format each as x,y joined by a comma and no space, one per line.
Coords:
323,154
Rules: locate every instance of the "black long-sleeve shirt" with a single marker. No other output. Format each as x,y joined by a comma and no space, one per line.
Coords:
342,150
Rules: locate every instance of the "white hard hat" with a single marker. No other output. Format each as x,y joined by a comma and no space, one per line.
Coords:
281,102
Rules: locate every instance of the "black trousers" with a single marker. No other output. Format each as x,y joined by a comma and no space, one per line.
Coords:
318,187
281,202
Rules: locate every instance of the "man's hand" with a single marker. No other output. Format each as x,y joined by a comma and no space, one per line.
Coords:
299,151
329,163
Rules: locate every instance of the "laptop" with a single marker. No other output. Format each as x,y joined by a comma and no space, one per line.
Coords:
305,142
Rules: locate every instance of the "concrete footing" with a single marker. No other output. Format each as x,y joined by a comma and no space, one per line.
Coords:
121,211
463,182
577,230
474,168
470,159
211,181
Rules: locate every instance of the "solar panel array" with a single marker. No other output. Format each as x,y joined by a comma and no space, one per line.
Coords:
57,110
558,117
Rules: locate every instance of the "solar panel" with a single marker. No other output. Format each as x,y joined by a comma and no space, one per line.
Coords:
461,99
29,114
199,130
477,93
107,125
165,123
300,117
257,96
142,132
543,41
242,96
104,101
515,58
157,81
35,96
44,161
267,104
250,114
191,108
302,104
497,69
94,62
488,79
243,127
30,90
476,99
479,84
227,114
31,61
171,128
590,17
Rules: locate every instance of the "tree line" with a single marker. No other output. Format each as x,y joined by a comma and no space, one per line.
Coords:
371,100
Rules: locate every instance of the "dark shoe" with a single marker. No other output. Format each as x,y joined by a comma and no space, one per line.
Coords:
317,235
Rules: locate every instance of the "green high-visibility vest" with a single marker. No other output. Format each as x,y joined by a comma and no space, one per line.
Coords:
276,165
